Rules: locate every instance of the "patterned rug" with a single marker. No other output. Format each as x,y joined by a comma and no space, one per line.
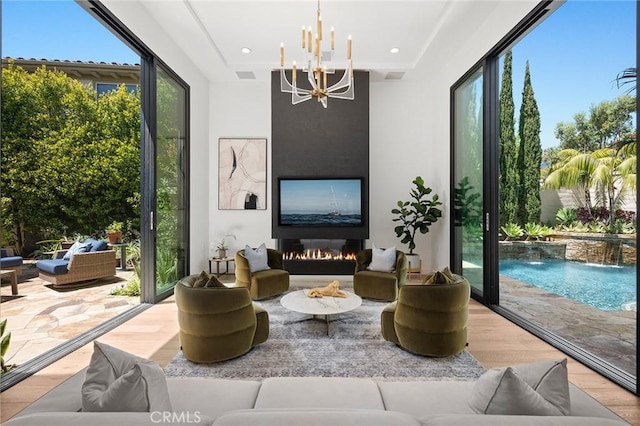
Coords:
299,346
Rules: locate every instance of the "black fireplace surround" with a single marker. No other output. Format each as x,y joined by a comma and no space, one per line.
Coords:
309,141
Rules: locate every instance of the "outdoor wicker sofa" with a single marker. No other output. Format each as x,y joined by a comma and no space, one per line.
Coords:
80,267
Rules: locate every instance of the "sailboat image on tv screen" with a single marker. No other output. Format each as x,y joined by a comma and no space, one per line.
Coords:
335,211
320,202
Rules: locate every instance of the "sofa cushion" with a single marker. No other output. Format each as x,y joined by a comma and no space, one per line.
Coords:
258,258
300,417
211,397
119,381
10,261
547,379
319,392
53,266
382,260
96,245
77,247
502,391
496,420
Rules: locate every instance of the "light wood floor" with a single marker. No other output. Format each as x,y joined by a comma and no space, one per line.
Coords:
493,340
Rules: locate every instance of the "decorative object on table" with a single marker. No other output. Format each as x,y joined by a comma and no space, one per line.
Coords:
114,232
222,247
379,285
429,320
317,65
331,290
416,215
242,174
262,283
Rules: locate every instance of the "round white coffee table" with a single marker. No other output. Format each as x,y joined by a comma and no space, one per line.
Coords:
298,301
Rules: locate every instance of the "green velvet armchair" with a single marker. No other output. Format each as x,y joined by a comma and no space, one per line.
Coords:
379,285
429,320
217,324
262,284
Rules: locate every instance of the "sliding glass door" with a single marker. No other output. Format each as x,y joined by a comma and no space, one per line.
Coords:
544,181
467,179
171,193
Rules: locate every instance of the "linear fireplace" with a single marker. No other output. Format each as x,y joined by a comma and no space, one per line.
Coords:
320,256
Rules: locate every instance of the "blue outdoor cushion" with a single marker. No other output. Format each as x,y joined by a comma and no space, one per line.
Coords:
53,266
11,261
96,245
77,247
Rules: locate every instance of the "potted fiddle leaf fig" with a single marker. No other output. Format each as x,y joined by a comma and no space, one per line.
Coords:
417,214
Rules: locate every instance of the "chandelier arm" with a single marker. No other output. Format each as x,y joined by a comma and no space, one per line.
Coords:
348,94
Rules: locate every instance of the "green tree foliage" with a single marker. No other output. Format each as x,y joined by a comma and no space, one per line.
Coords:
606,124
605,170
70,161
508,149
529,155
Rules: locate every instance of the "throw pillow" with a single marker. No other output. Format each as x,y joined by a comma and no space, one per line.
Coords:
119,381
382,260
202,279
440,277
540,388
258,259
214,282
77,247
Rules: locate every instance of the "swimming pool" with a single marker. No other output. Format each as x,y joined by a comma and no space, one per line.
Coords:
606,287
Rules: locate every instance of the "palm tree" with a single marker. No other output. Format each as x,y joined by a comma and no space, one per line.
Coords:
627,76
605,170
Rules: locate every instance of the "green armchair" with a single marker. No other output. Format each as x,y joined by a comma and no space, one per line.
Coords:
379,285
429,320
218,324
262,284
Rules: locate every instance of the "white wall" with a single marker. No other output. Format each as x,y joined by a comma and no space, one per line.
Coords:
241,109
136,18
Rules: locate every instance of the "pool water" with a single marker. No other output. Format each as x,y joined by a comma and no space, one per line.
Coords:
606,287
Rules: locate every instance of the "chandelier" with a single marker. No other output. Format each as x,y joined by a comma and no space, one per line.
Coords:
317,64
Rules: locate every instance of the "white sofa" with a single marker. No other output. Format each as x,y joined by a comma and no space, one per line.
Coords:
291,401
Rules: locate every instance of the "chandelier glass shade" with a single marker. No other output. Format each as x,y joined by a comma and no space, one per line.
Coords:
317,64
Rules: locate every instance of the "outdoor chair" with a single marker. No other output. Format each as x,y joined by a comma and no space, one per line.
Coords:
94,264
10,262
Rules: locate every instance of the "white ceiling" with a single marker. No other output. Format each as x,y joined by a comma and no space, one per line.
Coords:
212,32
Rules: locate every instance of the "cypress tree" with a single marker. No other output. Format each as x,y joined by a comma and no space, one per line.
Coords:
529,155
508,151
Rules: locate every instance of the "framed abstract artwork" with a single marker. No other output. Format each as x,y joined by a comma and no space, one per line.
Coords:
242,174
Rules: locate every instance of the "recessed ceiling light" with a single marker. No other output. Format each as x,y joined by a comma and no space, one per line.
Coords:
245,50
394,50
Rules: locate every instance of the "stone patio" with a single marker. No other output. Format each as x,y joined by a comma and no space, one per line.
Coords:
41,317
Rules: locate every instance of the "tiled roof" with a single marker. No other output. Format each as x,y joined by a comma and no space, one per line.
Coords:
67,61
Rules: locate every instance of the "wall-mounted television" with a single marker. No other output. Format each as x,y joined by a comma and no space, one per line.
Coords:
328,202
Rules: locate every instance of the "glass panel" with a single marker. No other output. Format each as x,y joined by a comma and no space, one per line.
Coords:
170,183
468,168
565,263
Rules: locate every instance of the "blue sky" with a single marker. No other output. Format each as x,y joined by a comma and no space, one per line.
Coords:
574,55
58,30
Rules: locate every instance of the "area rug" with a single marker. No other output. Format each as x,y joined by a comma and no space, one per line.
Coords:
300,347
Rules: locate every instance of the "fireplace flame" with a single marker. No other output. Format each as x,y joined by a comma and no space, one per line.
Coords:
318,254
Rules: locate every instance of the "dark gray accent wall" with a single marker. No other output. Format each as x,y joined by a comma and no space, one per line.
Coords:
308,140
